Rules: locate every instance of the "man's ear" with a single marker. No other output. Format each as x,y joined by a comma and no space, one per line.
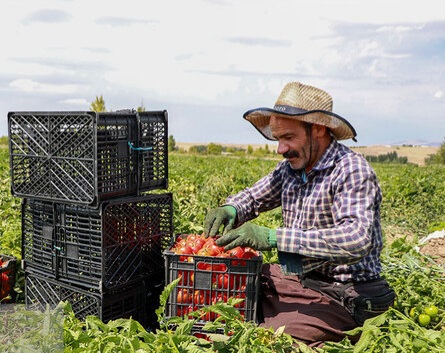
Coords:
319,130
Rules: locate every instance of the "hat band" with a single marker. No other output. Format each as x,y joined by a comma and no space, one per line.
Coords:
287,109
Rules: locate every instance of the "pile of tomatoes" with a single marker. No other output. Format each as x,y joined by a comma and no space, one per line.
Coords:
211,275
5,281
195,244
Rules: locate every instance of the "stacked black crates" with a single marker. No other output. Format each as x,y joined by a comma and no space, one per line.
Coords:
92,233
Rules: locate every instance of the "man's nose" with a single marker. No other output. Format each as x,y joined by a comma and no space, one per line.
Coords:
282,148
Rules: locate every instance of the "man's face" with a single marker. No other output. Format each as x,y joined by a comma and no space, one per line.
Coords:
294,141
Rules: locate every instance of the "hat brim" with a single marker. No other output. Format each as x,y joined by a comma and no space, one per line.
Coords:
339,126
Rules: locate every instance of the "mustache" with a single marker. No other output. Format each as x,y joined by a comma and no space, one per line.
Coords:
291,154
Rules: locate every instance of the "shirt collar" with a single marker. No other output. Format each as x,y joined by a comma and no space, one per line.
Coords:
328,157
326,161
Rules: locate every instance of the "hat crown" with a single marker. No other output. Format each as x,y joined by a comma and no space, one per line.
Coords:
296,94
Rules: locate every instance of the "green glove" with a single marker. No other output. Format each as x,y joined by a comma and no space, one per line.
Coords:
251,235
217,217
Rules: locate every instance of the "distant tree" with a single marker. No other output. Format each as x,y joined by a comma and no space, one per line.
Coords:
171,144
390,157
249,149
213,148
202,149
437,158
98,105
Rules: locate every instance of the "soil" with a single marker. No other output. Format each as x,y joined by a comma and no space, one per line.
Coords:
436,249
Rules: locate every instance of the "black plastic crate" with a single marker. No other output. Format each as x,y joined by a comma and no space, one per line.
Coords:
8,270
87,157
117,303
206,280
119,242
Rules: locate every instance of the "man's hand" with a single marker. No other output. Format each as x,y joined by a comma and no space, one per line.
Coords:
251,235
217,217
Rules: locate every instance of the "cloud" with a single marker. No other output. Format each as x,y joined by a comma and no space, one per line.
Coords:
266,42
121,21
75,101
47,16
28,85
438,94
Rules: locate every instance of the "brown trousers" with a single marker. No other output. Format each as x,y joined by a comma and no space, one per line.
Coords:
307,315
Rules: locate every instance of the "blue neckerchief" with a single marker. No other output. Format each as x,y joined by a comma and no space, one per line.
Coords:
304,176
301,173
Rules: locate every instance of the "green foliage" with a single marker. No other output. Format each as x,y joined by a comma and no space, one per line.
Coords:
141,108
412,196
390,157
229,333
199,183
200,149
412,200
32,331
3,141
98,105
10,213
214,148
437,158
172,144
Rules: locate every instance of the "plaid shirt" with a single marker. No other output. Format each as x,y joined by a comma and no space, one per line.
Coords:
331,216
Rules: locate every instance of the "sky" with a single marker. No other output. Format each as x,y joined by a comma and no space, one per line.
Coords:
208,61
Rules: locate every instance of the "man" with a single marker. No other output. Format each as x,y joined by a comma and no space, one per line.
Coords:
328,279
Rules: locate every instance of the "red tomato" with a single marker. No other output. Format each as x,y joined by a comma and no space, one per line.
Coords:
204,252
187,277
199,242
5,278
191,238
237,252
219,297
183,296
224,280
199,297
249,253
186,250
238,282
184,310
215,250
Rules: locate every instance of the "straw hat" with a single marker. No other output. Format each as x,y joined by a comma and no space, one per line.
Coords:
304,103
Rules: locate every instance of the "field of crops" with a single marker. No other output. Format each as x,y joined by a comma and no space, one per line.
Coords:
413,207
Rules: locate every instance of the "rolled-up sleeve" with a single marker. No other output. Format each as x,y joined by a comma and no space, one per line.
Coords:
263,196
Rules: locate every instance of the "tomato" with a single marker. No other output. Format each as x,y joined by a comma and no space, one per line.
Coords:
200,297
5,278
186,250
183,296
200,242
214,249
424,319
431,311
184,310
219,297
202,335
223,280
186,277
237,252
204,252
